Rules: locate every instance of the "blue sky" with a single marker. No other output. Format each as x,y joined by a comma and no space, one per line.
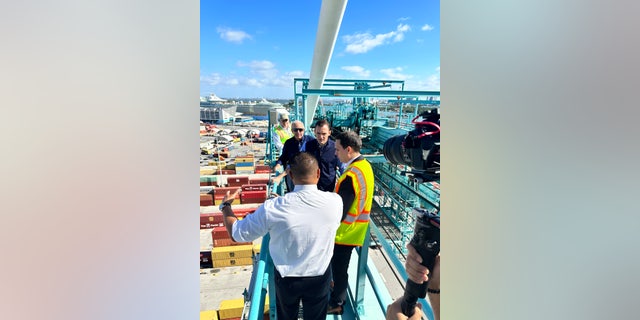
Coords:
255,48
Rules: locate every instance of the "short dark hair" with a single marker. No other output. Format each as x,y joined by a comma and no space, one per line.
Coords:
350,139
323,122
303,164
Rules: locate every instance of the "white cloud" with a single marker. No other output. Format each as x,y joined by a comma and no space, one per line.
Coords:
212,79
357,70
403,28
295,74
429,83
433,81
257,64
395,74
253,82
364,42
264,68
404,18
235,36
260,74
426,27
231,82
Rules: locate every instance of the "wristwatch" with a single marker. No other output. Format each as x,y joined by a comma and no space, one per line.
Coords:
224,204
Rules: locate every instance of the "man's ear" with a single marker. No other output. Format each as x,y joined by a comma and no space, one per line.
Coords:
318,173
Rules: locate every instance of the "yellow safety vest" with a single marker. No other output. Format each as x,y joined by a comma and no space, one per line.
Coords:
283,133
354,227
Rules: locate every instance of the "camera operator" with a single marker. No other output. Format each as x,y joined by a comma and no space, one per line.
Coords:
419,273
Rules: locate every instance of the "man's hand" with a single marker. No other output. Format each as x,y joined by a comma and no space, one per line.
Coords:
394,311
231,196
415,271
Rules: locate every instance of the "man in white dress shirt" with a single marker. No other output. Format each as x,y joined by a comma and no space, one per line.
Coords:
302,225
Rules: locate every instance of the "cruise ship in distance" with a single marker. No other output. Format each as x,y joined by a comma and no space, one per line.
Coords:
246,108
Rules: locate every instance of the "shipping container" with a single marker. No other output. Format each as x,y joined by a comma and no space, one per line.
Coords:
245,160
219,233
237,181
210,220
254,187
220,263
228,242
257,247
206,189
206,199
259,180
209,315
218,193
262,169
244,165
253,196
206,262
228,252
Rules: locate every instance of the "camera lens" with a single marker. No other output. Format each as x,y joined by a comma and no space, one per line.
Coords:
393,150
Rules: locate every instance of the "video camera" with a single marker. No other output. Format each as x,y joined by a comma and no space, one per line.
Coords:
420,150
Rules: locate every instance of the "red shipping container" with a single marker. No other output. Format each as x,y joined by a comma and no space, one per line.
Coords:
237,181
228,242
210,220
206,199
219,233
254,187
259,181
253,200
210,225
253,196
227,171
218,193
214,220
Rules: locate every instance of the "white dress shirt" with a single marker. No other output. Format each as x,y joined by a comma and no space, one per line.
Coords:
302,225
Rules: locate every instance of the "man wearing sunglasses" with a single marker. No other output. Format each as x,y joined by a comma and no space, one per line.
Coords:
293,146
281,132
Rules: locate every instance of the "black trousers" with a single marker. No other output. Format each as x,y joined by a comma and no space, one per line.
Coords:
313,292
339,268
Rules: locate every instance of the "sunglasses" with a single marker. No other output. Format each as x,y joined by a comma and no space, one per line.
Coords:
298,129
284,120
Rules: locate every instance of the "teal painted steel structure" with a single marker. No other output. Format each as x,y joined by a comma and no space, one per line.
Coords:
396,192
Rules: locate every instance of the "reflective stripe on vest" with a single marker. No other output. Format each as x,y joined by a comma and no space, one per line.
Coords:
353,228
361,200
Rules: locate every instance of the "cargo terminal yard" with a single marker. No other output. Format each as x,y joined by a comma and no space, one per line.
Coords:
226,267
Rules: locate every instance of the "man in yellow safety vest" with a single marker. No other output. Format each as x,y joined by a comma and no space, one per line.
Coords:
355,187
281,132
